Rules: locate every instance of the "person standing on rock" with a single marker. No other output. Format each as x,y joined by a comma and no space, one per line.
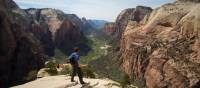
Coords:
74,61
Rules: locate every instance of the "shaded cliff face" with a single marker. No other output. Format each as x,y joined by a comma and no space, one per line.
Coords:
45,23
52,17
69,36
48,25
162,50
20,52
29,35
42,33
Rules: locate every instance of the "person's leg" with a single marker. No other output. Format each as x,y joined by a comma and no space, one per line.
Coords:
80,75
74,71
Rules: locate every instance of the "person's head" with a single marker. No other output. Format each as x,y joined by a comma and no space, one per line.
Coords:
76,49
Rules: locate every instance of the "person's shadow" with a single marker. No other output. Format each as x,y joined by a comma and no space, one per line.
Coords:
88,85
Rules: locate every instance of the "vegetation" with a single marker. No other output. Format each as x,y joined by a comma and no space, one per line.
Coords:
60,56
125,81
95,43
31,75
52,67
66,70
88,72
108,66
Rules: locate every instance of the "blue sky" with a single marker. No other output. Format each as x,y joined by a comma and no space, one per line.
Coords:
91,9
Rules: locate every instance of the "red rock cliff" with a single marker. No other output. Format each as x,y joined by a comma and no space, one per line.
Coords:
48,25
162,49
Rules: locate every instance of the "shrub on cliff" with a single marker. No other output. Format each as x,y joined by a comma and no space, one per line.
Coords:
66,70
88,72
52,67
125,81
31,75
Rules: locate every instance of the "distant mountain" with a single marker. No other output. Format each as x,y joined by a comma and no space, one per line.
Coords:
97,24
91,26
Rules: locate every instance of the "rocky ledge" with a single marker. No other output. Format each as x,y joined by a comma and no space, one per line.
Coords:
64,82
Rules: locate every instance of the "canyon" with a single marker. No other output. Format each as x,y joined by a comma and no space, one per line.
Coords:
29,37
156,48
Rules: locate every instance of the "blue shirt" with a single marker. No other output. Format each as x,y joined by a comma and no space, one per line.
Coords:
75,55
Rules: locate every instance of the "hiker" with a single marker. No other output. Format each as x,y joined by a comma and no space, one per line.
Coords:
74,61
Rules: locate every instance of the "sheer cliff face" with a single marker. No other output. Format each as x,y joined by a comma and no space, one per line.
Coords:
69,36
162,49
48,25
28,36
134,14
20,51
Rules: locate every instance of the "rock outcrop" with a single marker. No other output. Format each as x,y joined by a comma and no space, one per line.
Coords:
69,36
55,29
29,37
162,49
64,82
20,52
134,14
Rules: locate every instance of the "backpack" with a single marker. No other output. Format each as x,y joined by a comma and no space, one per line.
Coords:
72,59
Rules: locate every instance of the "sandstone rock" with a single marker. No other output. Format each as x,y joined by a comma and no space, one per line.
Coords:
163,51
64,82
133,14
47,26
20,51
43,73
28,36
65,39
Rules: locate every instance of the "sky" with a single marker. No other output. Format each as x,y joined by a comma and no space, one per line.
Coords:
91,9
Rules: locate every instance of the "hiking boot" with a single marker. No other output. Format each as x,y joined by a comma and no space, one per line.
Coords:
82,83
73,81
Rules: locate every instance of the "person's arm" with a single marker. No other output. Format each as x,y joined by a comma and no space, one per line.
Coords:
68,58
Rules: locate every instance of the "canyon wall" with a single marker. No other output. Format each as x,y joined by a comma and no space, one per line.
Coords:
135,14
161,49
20,51
29,37
55,29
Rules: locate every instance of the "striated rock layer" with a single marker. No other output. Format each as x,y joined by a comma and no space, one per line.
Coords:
163,49
134,14
54,28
